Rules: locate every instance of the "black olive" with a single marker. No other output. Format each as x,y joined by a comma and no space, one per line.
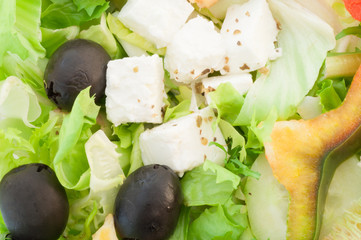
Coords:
33,203
148,204
74,66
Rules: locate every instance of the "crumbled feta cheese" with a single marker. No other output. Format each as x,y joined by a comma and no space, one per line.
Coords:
183,143
107,231
196,50
135,90
156,20
241,82
250,32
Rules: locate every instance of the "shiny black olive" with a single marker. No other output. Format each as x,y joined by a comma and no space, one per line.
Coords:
33,203
73,67
148,204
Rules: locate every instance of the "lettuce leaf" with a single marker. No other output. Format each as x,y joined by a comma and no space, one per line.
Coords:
53,39
70,162
228,102
208,184
65,13
129,148
18,100
305,40
180,110
181,231
20,32
213,223
101,34
106,176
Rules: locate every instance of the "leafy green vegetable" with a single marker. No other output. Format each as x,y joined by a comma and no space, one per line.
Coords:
106,176
208,184
228,102
52,39
182,109
101,34
293,74
214,224
70,161
20,32
65,13
13,150
18,100
181,231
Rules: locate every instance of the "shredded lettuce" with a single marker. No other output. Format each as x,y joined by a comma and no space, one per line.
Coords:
213,223
66,13
101,34
53,39
70,161
129,147
18,100
208,184
293,74
228,102
106,176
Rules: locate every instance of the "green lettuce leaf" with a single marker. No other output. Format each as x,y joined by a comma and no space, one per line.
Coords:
65,13
18,100
208,184
14,150
101,34
106,176
20,33
228,102
213,223
53,39
182,109
122,33
181,231
89,6
70,162
305,40
128,146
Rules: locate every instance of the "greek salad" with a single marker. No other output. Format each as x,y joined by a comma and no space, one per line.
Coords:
180,119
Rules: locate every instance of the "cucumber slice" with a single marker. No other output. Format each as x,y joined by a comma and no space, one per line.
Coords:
343,192
267,202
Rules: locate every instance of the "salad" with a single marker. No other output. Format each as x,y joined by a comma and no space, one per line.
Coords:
246,113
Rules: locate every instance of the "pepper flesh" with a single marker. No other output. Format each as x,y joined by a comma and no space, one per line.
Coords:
303,155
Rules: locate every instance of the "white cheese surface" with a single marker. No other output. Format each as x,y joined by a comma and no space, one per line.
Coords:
249,32
183,143
156,20
135,90
196,50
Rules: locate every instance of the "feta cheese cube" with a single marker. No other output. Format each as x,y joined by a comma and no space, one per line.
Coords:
249,31
183,143
156,20
241,82
196,50
135,90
